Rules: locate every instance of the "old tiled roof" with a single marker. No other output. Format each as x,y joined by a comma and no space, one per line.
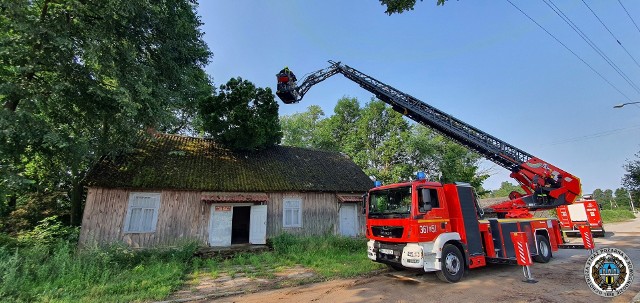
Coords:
179,162
486,202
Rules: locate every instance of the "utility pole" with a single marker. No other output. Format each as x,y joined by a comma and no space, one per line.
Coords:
633,209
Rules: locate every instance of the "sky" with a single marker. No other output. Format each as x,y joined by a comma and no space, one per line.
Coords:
483,62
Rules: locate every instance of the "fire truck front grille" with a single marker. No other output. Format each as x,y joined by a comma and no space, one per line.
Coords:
387,231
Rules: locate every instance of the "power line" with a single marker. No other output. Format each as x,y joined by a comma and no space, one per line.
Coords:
566,47
612,35
625,9
594,135
586,39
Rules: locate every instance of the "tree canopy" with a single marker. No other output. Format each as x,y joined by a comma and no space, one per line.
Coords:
382,142
400,6
82,79
241,116
614,199
631,178
505,189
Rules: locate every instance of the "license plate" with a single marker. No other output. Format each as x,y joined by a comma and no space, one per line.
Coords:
386,251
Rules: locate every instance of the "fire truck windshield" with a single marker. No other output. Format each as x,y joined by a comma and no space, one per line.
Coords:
390,203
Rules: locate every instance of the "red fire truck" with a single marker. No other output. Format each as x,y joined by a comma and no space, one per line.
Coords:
439,227
582,212
436,227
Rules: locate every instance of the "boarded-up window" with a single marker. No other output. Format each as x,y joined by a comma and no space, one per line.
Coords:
292,216
142,213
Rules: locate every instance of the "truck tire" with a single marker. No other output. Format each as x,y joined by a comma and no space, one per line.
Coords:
544,249
452,264
599,234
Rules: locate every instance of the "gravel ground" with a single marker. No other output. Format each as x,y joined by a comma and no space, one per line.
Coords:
560,280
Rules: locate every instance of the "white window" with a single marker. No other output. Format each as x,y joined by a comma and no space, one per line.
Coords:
142,213
292,215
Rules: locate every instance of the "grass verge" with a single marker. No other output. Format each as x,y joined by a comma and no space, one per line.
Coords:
58,273
610,216
329,256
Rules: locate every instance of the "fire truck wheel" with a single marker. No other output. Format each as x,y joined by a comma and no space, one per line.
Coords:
544,249
452,264
599,234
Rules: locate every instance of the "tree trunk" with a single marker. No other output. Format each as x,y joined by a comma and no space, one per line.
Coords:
76,196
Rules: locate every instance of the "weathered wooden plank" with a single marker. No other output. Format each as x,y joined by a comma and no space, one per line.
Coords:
183,216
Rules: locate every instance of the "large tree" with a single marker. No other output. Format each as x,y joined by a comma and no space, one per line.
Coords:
382,142
378,142
81,79
313,130
631,178
604,198
241,116
302,129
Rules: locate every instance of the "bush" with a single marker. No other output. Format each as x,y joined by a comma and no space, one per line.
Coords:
49,231
32,208
8,241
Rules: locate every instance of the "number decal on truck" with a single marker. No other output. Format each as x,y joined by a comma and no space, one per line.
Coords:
425,229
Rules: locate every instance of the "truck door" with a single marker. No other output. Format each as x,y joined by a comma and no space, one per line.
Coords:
432,214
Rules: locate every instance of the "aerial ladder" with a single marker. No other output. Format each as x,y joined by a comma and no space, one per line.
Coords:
546,186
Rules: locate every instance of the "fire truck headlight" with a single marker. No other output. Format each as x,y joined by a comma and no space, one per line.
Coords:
371,250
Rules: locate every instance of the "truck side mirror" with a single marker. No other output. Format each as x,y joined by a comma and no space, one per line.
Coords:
425,194
364,204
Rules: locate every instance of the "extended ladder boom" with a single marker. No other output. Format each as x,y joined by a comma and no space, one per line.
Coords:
527,169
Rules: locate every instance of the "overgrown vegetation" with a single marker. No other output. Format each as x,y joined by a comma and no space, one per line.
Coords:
44,265
328,256
609,216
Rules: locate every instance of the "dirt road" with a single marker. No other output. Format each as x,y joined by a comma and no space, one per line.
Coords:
561,280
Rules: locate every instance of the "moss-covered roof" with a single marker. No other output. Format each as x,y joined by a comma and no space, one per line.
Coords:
178,162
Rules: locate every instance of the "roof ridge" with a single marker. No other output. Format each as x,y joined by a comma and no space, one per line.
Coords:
211,140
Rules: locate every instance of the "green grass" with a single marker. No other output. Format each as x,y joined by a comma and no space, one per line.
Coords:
328,256
609,216
58,273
